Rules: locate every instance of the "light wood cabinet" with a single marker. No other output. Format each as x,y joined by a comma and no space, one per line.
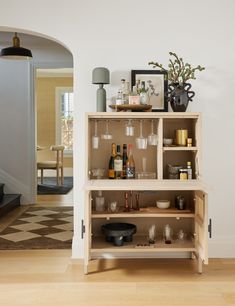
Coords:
192,220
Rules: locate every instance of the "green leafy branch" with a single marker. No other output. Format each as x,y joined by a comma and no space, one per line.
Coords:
178,71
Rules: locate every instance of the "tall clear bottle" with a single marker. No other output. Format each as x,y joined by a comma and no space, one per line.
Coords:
111,172
130,164
143,94
124,161
118,163
189,169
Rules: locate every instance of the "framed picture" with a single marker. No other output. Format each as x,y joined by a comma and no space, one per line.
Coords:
156,84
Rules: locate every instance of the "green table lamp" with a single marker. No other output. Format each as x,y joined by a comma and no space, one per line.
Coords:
100,76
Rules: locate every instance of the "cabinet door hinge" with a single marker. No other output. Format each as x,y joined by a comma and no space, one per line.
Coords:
83,229
210,228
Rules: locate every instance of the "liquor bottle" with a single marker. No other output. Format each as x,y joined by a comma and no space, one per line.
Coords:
143,94
124,161
189,170
111,171
118,163
130,164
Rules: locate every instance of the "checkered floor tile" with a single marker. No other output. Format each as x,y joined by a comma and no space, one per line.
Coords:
40,228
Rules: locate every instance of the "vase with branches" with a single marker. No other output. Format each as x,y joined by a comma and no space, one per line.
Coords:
179,73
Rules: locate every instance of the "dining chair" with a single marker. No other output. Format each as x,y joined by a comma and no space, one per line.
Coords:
54,165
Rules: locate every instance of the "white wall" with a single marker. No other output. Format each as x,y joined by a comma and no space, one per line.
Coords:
124,35
15,128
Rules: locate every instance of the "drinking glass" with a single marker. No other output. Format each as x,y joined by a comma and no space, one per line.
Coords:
152,138
141,142
129,128
107,136
95,138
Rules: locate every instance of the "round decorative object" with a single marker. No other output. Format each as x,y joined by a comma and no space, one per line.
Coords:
163,204
118,232
179,96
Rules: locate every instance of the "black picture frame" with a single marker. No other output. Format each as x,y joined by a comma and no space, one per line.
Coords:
160,77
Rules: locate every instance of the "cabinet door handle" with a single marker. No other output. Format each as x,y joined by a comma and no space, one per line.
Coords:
210,228
83,229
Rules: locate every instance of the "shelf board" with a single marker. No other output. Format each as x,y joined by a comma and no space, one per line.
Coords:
150,212
174,148
100,245
145,185
147,115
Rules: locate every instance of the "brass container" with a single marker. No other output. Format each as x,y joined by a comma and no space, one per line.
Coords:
181,137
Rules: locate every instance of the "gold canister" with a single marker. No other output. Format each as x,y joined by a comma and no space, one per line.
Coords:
181,137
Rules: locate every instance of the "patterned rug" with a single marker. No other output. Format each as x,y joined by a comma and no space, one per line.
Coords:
39,228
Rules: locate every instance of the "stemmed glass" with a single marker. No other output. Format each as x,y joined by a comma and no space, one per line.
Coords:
141,142
129,128
95,138
107,136
152,138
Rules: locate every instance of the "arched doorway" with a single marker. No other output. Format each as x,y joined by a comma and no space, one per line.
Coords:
21,135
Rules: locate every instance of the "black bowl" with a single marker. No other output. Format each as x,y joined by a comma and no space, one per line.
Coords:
118,232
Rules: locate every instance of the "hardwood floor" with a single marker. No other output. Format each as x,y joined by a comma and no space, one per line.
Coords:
52,278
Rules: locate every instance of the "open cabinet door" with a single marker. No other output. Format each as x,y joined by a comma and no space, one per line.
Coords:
201,227
87,231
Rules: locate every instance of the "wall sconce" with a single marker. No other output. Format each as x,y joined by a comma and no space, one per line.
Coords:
100,76
16,52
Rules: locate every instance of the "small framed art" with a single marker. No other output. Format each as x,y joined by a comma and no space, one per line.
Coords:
156,86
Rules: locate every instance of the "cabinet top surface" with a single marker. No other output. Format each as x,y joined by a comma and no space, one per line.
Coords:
143,115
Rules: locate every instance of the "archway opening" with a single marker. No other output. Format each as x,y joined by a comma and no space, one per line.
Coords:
37,115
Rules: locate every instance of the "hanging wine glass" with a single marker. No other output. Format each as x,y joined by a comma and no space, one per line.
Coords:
152,138
129,128
95,137
107,136
141,142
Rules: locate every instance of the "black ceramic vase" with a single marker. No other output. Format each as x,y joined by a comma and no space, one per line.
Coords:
179,96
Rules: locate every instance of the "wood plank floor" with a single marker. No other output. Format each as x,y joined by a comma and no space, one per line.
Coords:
50,277
41,278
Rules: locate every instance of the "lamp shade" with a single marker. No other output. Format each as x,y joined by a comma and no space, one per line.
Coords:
100,75
16,52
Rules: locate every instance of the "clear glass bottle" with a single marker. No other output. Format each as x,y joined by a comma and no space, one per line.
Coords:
100,202
130,165
111,172
118,163
143,94
189,170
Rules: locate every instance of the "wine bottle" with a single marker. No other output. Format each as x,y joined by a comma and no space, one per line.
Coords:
118,163
130,164
124,160
111,172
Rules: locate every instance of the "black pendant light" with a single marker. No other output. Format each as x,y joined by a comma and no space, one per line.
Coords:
16,52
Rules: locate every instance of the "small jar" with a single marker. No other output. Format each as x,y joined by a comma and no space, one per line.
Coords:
183,174
189,142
